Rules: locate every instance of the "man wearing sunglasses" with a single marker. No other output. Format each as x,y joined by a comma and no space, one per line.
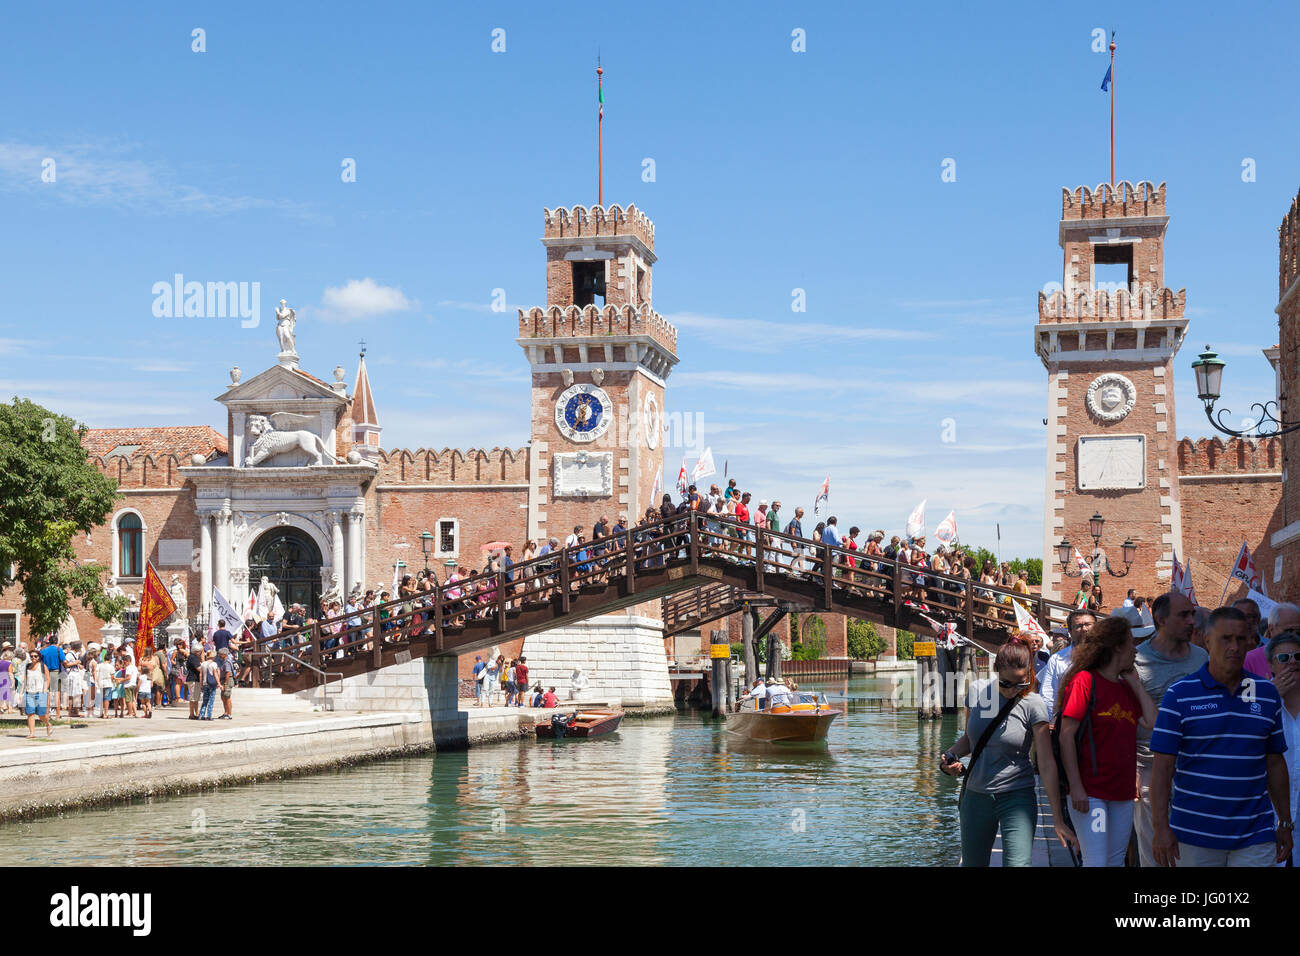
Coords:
1283,618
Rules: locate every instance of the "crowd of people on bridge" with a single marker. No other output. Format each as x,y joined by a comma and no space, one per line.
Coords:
728,522
1147,744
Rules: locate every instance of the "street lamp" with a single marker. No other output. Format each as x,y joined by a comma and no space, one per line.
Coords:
426,542
1096,523
1208,370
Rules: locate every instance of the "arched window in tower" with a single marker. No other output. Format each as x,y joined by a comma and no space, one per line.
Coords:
130,546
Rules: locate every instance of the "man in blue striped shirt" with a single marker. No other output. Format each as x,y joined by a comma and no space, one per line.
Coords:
1218,744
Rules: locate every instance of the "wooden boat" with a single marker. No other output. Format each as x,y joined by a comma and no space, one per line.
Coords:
806,720
580,723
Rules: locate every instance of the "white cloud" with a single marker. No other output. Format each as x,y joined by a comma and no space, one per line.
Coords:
103,174
359,299
763,335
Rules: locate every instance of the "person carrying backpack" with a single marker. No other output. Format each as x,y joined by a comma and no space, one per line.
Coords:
211,681
1101,704
998,790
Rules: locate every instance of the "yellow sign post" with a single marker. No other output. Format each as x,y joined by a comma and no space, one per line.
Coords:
923,648
722,651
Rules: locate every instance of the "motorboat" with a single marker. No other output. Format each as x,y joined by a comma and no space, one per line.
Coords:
805,719
580,723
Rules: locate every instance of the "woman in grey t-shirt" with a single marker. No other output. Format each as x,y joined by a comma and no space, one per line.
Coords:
1000,789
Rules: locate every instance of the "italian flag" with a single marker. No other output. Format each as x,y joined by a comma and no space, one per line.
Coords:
600,97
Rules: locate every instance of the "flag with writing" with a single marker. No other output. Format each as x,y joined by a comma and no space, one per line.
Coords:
946,533
222,610
1244,570
823,498
916,521
1028,624
704,467
156,605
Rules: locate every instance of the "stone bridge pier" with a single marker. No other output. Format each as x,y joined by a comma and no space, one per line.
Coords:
424,685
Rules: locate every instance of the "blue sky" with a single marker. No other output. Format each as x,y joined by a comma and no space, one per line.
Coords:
774,170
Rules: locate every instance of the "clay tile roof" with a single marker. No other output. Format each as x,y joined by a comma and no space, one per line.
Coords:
363,402
319,381
181,441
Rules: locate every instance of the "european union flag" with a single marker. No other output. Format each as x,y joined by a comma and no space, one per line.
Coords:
1105,83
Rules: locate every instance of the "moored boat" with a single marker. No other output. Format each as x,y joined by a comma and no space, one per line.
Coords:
580,723
806,720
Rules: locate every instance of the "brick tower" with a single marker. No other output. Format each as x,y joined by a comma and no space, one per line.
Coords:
600,358
1110,409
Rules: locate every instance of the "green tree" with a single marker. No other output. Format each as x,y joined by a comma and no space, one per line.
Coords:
905,639
49,492
863,641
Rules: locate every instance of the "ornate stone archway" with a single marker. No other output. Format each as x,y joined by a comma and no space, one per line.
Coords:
291,560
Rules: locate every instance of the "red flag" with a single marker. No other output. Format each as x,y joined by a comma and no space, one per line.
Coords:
1181,579
156,605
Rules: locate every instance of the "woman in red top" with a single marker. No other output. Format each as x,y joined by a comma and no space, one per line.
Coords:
1102,696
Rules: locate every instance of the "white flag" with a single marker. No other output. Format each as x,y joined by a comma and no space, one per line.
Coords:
1181,579
916,521
1082,566
681,479
223,610
823,497
657,489
704,467
1027,623
250,608
1244,569
947,530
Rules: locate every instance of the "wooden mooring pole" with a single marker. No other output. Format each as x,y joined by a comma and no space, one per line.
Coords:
720,652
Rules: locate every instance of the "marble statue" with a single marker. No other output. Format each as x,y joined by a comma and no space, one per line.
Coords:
266,595
333,592
177,590
285,320
268,439
113,590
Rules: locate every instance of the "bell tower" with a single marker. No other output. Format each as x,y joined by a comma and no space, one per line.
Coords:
600,358
1108,348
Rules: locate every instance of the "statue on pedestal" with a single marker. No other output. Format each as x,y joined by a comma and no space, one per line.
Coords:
285,320
177,590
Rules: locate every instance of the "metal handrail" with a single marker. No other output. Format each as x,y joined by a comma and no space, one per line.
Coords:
325,675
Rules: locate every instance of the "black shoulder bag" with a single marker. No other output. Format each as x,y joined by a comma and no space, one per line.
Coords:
985,737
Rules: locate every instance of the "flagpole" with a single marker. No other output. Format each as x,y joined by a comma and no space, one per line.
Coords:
1112,107
600,134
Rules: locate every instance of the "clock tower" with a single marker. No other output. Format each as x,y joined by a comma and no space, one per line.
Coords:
1108,348
600,358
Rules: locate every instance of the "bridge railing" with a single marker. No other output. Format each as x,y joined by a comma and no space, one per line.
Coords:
848,578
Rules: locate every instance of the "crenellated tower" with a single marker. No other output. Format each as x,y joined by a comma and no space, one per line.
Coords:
600,358
1109,357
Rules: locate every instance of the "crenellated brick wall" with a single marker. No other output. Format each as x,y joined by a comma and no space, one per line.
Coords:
1231,492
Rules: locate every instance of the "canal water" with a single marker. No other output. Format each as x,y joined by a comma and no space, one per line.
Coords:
668,791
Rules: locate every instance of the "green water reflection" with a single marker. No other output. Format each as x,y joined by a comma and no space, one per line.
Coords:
670,791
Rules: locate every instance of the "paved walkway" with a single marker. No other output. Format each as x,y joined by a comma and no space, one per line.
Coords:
262,707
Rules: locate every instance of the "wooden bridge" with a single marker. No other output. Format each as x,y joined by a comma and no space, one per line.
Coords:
702,569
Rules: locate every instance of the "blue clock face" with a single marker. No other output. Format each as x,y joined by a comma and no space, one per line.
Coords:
583,413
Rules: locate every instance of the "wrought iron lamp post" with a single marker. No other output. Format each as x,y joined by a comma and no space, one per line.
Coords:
1208,370
1099,560
426,542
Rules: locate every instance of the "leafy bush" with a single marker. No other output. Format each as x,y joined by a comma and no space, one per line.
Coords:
864,643
812,647
905,639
